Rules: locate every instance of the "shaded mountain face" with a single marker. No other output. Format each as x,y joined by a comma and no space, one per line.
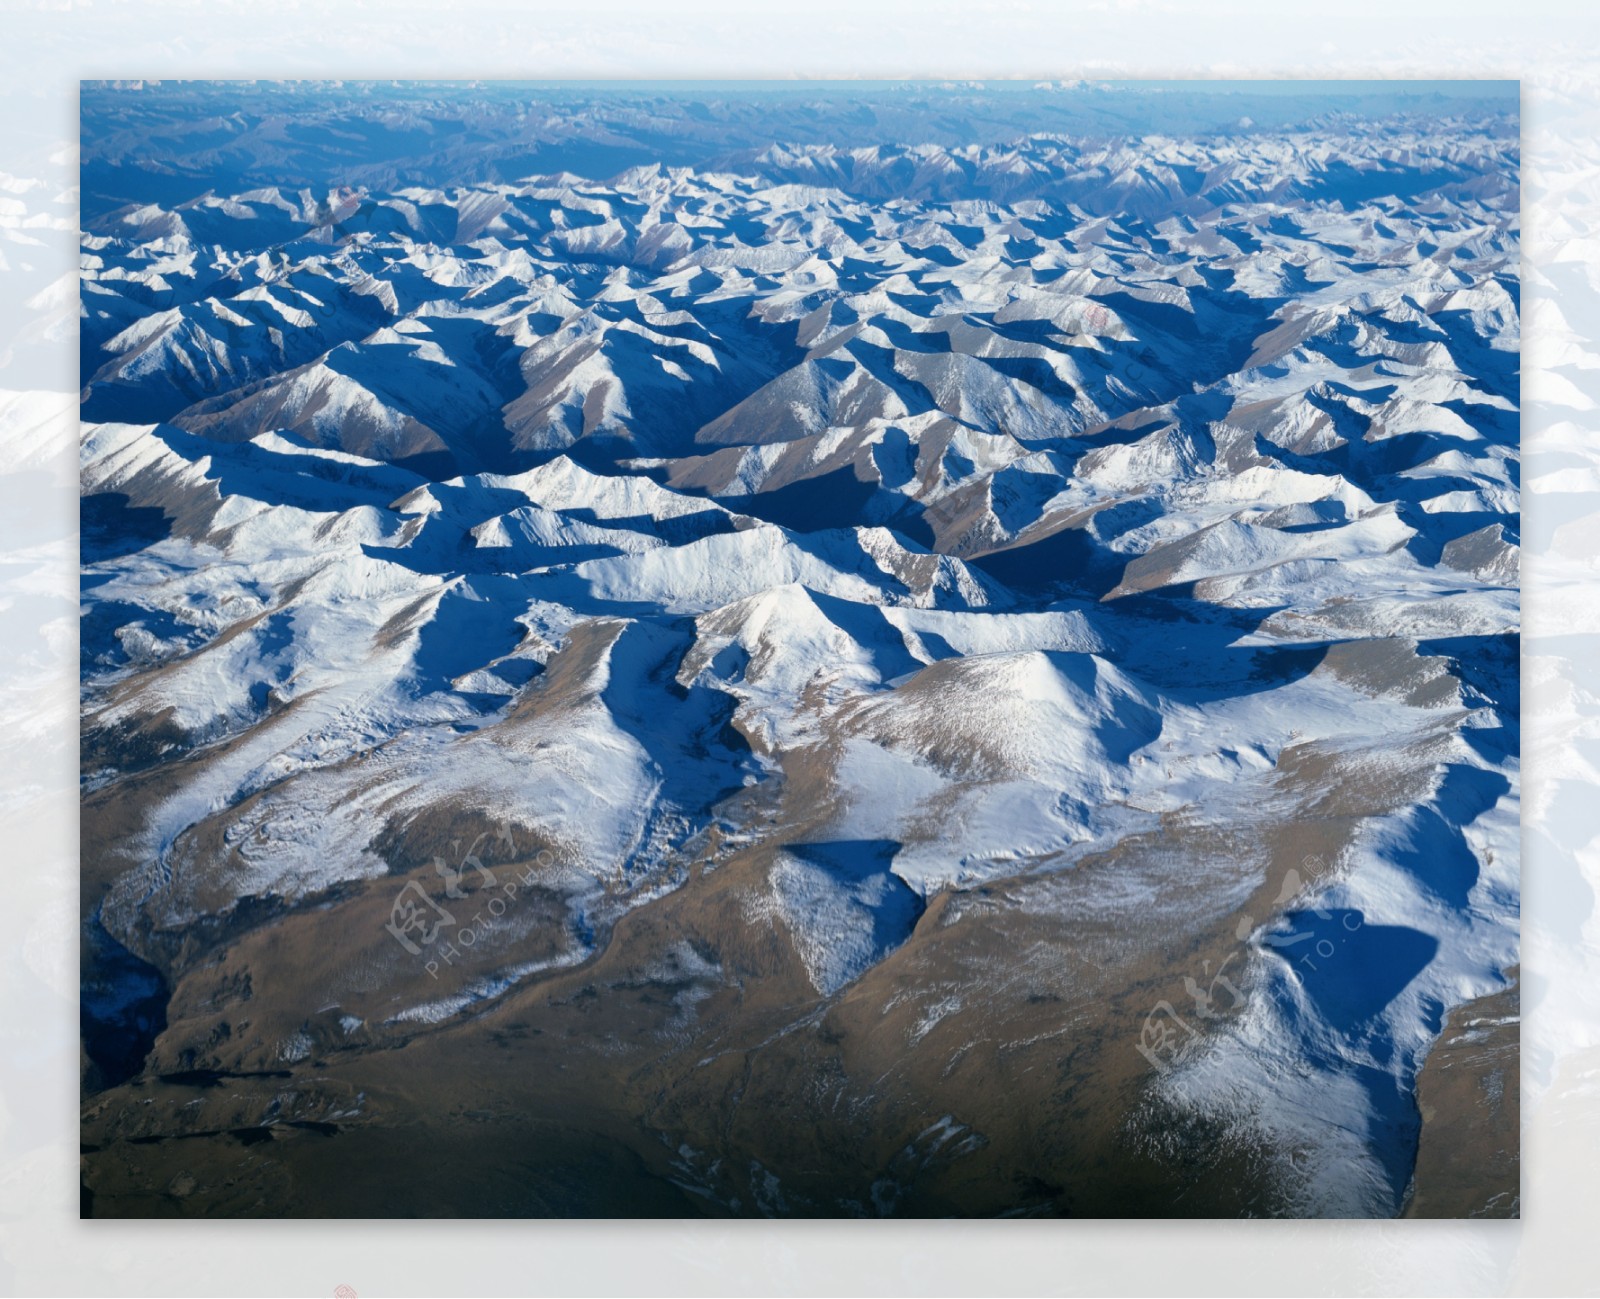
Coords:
805,678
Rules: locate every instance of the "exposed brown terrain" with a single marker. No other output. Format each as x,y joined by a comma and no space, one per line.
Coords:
1469,1158
986,1066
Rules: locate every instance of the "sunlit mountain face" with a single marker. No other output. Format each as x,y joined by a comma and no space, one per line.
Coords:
799,650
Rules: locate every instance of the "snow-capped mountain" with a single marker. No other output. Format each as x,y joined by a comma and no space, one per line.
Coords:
917,607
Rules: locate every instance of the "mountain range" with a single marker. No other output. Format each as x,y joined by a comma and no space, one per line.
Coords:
982,675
